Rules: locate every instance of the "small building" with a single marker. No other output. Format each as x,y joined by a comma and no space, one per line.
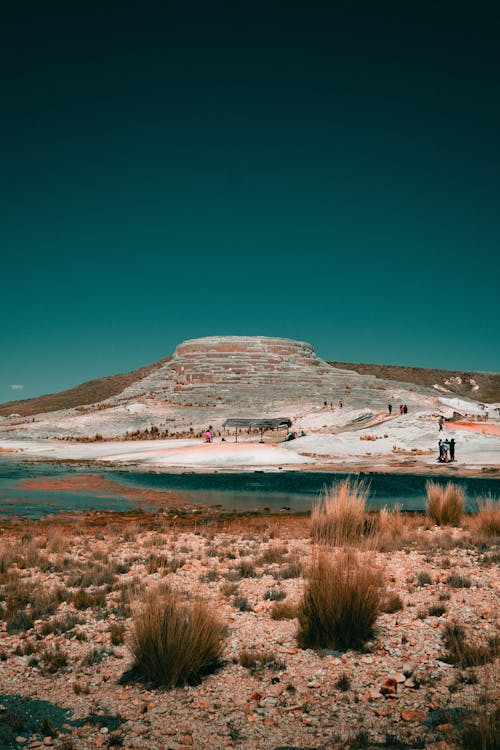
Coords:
263,425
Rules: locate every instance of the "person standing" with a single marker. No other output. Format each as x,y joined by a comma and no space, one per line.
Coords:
441,423
400,408
405,409
452,449
389,408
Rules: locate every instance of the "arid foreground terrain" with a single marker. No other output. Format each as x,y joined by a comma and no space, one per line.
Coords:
74,591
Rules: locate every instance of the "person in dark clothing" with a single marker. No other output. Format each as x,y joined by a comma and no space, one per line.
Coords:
389,408
452,449
405,409
441,423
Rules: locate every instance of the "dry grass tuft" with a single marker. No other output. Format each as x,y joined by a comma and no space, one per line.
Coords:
284,611
481,727
338,514
487,520
464,653
391,530
175,642
445,504
341,602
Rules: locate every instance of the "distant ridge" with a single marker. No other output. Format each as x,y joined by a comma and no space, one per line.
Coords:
90,392
459,382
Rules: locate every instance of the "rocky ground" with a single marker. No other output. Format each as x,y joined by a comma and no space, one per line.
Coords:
69,587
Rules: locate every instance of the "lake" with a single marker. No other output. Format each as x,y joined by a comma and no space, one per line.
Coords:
243,491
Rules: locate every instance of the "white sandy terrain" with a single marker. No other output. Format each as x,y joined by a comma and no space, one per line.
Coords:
411,437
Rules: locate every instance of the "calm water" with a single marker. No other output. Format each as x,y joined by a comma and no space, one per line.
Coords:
242,491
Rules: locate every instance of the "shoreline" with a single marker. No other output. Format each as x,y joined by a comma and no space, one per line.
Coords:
338,466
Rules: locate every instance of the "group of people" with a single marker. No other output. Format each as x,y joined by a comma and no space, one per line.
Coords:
403,409
446,451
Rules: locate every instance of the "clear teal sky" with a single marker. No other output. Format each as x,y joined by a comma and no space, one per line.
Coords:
322,171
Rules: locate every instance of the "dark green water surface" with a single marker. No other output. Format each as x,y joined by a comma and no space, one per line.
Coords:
293,490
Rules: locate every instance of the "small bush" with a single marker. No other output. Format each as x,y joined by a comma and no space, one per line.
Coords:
464,653
445,504
53,660
343,683
338,515
437,610
458,581
480,729
241,603
284,611
275,595
293,569
82,599
273,554
255,660
246,569
117,633
341,602
392,603
424,579
175,642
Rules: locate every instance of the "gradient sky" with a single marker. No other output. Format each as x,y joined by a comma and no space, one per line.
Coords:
328,172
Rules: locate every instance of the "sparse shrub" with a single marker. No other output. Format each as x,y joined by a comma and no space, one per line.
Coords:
424,579
45,727
229,589
341,602
292,570
175,642
392,603
284,611
458,581
480,728
59,625
437,610
338,514
82,599
246,569
445,504
275,595
255,660
52,660
94,656
241,603
390,529
464,653
19,621
273,554
80,689
343,683
117,633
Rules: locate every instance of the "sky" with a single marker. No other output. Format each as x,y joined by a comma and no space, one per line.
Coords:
326,172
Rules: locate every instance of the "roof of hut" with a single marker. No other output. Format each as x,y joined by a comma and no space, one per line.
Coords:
261,424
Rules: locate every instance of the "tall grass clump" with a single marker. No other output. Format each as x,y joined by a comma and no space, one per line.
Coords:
342,600
480,729
338,514
487,520
175,642
444,504
391,529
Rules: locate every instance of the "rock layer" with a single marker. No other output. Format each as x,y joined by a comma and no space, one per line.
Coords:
253,372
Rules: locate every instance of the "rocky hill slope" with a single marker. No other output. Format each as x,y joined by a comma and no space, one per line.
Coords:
211,379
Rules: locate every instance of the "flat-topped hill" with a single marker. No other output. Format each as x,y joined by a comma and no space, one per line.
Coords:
247,370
